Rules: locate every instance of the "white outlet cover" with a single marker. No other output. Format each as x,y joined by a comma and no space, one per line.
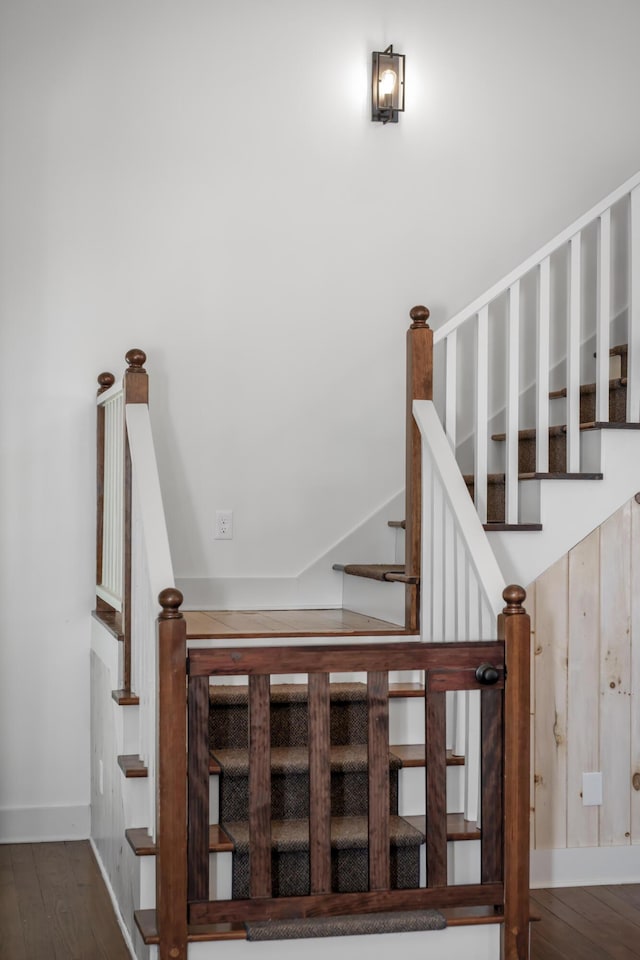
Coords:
224,525
591,789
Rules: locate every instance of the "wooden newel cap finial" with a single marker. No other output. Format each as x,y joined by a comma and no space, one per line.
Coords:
514,597
170,600
105,380
136,359
419,316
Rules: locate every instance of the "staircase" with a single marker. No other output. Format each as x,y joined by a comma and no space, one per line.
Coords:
306,803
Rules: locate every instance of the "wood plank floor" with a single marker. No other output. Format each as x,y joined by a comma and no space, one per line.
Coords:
589,923
54,906
245,624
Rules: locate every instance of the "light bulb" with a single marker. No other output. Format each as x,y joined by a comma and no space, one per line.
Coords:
387,83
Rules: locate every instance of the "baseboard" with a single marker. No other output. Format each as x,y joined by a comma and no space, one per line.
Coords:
40,824
585,866
114,902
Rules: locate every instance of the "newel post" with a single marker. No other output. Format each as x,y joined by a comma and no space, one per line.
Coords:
514,628
419,387
171,859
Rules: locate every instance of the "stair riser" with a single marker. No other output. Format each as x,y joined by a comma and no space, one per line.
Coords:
617,406
290,796
228,727
473,942
495,501
349,872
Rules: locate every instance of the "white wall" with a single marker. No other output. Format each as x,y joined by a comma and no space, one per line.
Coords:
201,179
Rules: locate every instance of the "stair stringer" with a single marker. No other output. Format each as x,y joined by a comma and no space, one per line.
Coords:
117,803
473,942
570,510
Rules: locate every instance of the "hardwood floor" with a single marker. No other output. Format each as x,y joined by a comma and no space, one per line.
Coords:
586,923
240,624
54,906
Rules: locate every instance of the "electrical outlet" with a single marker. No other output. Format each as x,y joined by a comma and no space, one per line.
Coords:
224,525
591,789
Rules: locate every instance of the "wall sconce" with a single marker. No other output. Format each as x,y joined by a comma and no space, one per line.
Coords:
387,85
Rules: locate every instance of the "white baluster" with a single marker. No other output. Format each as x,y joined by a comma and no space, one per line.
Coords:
604,318
482,416
451,387
573,356
513,400
542,372
633,356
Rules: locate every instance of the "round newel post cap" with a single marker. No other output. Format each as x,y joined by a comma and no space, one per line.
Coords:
105,380
136,360
170,599
514,596
419,316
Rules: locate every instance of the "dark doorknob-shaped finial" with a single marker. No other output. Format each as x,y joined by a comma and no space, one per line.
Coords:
487,674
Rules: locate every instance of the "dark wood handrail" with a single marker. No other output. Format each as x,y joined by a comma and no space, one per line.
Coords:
182,879
419,387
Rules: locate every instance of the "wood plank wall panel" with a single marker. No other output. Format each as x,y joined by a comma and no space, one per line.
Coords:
615,677
551,652
583,688
635,672
586,688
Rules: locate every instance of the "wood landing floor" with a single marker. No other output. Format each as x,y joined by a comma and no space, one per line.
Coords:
245,624
54,906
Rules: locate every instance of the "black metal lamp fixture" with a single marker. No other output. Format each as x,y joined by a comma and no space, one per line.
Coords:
387,85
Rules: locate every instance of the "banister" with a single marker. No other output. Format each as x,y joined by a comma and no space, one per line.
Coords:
536,258
471,530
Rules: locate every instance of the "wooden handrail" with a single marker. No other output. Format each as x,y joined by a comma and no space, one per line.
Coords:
419,387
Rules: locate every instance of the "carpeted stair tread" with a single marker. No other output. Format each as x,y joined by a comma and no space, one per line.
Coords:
238,695
356,925
347,833
349,758
228,715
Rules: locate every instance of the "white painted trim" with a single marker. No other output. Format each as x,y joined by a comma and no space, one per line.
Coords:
576,227
476,942
44,824
145,474
109,597
585,866
116,909
113,391
472,533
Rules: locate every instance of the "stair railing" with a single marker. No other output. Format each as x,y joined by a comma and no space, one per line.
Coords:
497,670
462,584
114,503
536,291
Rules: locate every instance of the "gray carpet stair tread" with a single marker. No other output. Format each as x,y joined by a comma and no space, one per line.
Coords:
227,695
347,833
369,923
351,758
